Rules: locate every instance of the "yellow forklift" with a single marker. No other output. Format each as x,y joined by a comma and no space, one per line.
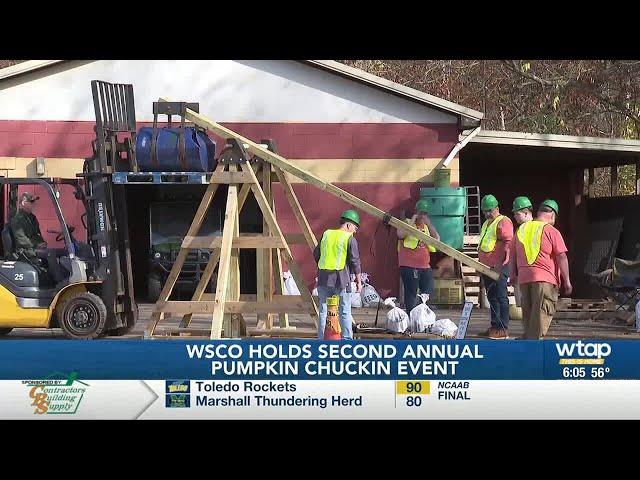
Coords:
96,296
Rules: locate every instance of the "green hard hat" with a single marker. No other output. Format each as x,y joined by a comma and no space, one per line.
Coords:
551,204
489,202
352,216
521,202
422,206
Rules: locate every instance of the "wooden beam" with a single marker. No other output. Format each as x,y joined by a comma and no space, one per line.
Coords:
224,269
295,238
245,297
243,241
264,281
230,177
308,177
288,303
282,332
194,228
290,194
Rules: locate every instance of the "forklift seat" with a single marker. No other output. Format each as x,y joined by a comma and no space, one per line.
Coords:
7,241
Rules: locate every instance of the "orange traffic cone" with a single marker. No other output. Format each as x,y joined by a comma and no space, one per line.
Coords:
332,330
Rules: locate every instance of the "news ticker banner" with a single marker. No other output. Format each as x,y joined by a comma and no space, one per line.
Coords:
300,379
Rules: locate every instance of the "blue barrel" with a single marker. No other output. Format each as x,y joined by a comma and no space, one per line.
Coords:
200,151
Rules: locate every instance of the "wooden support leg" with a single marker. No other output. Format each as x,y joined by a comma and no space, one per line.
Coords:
182,255
213,262
224,269
232,321
290,194
264,259
277,284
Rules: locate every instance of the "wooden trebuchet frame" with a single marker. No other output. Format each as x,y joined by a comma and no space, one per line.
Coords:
225,307
286,166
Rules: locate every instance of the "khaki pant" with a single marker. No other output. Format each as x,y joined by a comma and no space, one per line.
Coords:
538,307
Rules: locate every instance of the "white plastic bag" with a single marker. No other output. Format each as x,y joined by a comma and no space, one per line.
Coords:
356,299
397,319
314,292
421,317
290,287
445,328
370,297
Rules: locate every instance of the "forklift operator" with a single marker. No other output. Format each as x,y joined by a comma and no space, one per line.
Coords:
28,238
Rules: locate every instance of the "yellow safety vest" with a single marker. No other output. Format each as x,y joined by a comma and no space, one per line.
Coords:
333,249
489,235
530,236
412,242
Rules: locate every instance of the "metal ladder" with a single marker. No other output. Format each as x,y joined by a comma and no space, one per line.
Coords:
473,215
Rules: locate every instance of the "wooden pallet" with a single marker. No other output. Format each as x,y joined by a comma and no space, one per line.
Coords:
471,278
584,305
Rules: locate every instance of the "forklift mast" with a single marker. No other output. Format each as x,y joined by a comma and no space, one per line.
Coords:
107,219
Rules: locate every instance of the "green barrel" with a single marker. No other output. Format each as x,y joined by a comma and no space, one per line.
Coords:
447,207
442,178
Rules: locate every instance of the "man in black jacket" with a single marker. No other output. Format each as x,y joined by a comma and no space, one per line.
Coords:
28,238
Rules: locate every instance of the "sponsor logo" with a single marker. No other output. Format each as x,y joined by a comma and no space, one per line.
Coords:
57,394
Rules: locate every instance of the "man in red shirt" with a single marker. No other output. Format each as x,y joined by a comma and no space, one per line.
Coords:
493,251
414,258
540,265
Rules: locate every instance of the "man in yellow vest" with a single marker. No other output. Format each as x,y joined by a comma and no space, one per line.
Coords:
337,257
414,257
522,210
494,249
522,213
540,266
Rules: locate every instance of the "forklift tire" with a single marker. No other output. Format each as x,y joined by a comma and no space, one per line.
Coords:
5,331
83,316
154,287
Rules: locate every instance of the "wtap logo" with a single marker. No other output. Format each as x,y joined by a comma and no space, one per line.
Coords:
583,353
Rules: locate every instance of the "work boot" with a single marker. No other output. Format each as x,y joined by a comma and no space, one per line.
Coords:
488,332
499,334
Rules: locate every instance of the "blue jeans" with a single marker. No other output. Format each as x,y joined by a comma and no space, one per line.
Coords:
498,299
344,310
412,279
